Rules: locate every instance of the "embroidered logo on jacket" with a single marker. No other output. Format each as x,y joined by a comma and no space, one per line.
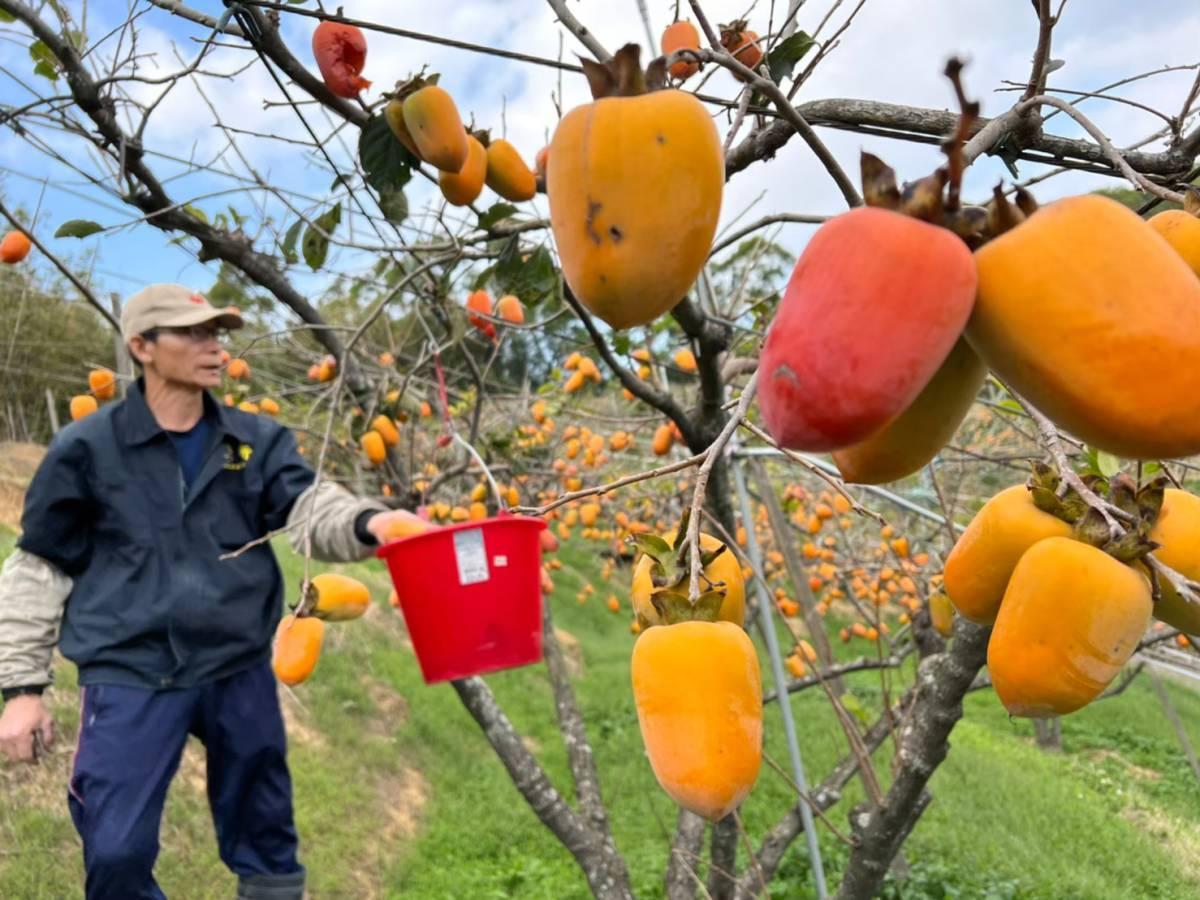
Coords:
244,452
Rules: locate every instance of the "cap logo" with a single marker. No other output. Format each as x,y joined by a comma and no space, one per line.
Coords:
196,298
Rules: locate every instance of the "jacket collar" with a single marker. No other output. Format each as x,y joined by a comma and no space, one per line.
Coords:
140,425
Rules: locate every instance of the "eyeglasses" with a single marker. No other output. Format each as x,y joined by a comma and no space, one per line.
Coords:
197,333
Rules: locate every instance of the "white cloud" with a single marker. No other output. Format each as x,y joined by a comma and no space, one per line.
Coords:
894,52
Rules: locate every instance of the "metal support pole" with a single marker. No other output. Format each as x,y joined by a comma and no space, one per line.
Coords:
124,361
765,605
53,412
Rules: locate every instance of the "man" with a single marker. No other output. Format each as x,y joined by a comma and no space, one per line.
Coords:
118,564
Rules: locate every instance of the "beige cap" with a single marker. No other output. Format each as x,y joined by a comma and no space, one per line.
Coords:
172,305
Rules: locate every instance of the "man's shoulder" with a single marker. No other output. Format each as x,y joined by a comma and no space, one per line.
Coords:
87,432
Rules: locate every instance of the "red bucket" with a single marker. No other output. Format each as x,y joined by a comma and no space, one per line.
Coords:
471,595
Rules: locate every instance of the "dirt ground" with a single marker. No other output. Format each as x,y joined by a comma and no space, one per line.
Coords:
18,462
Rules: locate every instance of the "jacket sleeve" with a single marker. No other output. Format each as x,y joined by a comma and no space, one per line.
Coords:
32,595
290,492
334,511
56,523
286,476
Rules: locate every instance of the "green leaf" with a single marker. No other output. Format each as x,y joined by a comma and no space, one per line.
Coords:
394,204
1107,464
651,544
621,343
497,213
1010,403
1151,468
7,17
315,246
237,216
532,279
481,281
384,160
786,54
78,228
46,70
47,62
289,242
196,213
854,707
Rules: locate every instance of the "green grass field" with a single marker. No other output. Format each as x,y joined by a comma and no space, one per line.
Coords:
399,795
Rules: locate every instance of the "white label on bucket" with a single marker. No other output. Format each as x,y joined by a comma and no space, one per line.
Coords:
499,560
470,556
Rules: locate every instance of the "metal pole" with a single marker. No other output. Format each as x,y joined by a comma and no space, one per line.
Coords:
52,410
124,361
785,700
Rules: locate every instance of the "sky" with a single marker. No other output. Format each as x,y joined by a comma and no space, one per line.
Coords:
895,52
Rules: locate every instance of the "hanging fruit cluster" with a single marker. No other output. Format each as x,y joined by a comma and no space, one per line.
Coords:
424,118
300,634
1068,601
1086,310
102,386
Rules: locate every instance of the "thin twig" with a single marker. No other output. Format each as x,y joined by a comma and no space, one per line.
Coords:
1042,54
712,454
578,29
836,483
610,486
62,267
1188,590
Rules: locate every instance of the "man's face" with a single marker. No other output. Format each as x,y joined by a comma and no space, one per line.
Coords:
182,356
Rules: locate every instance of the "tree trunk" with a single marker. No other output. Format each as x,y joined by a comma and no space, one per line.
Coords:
1049,734
681,879
722,869
602,865
942,681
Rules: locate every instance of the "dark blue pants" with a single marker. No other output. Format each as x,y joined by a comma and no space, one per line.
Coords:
130,744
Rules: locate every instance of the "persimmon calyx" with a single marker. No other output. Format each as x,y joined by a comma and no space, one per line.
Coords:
412,85
1090,525
671,565
674,606
623,76
309,595
878,182
1191,199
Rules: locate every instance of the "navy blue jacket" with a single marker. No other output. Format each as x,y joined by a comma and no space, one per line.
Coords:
152,604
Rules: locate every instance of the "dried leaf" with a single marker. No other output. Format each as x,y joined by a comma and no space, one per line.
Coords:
1092,528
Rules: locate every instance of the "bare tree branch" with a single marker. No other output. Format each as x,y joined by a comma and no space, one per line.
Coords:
578,29
909,123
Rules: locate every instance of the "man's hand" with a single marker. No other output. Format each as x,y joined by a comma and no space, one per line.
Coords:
22,718
396,524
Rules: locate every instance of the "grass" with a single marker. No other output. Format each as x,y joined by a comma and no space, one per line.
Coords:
398,794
